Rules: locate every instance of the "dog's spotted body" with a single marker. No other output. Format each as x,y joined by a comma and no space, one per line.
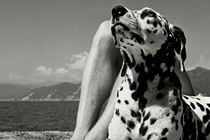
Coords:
150,105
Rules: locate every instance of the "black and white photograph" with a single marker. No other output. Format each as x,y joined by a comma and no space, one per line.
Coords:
104,70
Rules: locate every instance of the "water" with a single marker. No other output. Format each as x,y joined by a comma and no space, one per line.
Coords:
38,116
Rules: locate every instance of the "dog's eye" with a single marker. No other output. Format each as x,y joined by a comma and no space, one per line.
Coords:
151,14
148,13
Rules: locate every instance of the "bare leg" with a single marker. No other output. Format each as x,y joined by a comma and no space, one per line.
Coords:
100,73
99,131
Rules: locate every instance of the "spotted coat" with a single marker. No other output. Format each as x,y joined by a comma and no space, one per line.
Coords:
150,105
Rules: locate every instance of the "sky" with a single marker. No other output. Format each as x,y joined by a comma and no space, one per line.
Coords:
49,40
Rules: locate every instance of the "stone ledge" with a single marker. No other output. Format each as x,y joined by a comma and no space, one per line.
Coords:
35,135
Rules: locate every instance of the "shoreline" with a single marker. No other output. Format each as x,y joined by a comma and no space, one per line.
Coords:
36,135
39,101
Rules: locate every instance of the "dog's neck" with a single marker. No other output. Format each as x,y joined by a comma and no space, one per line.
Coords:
155,74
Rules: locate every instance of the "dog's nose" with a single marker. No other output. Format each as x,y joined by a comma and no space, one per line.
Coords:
118,11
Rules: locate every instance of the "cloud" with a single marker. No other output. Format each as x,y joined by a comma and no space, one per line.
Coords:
71,71
45,71
78,61
200,62
15,77
61,71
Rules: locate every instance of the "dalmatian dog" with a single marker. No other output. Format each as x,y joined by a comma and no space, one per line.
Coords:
149,104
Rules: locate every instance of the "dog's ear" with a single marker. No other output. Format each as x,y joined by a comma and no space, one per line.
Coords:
179,42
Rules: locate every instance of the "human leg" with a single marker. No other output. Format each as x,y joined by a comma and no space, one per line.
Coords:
99,76
100,129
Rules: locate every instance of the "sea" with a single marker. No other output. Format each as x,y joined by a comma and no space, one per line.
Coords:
38,115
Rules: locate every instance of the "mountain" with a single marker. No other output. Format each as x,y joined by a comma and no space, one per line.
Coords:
200,79
62,91
12,92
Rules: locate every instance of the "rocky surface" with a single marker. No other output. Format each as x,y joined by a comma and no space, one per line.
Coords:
29,135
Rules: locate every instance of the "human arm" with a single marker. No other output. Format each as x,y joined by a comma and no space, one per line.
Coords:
187,87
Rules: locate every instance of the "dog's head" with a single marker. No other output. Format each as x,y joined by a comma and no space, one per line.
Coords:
146,31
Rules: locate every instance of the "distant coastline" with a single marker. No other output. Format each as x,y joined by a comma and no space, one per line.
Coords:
5,100
65,91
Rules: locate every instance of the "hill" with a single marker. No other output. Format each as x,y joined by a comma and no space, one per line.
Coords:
12,92
200,79
62,91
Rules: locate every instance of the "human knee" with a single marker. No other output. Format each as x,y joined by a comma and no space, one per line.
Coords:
103,40
104,30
